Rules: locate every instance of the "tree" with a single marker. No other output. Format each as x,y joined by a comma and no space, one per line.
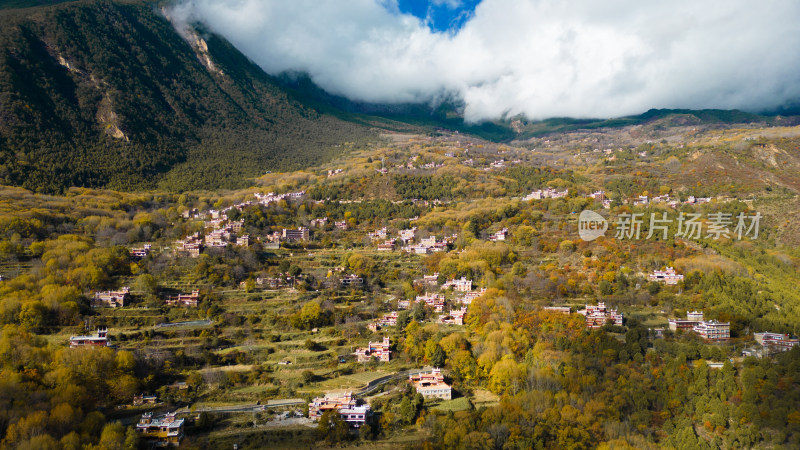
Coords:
146,283
506,376
125,361
636,340
438,358
113,437
366,432
204,422
308,317
332,428
408,412
131,439
33,315
403,319
605,287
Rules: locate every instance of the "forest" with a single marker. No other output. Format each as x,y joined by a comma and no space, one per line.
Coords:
113,85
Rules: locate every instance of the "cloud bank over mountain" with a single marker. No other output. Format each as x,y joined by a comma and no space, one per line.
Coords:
540,58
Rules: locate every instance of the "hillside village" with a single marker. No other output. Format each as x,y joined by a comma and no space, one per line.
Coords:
419,284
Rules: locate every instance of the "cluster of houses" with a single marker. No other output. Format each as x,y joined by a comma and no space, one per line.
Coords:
99,339
454,317
435,301
643,200
161,431
355,413
601,196
646,200
770,344
142,399
776,342
111,299
709,330
715,331
387,245
323,221
540,194
348,407
190,245
667,276
499,235
411,166
300,234
599,315
318,223
140,252
431,385
457,285
697,200
380,350
271,197
290,235
388,320
430,245
467,298
351,281
223,233
184,299
120,298
460,285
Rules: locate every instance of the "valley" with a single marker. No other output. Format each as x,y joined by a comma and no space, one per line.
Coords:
240,310
197,253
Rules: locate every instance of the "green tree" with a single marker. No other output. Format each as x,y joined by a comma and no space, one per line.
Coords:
438,358
332,428
146,283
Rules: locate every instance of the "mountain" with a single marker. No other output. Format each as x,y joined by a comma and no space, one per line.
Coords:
446,114
108,94
449,114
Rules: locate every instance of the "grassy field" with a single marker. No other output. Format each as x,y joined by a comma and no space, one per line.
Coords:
483,397
457,404
352,381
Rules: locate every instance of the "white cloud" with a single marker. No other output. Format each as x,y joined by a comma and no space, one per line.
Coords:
452,4
540,58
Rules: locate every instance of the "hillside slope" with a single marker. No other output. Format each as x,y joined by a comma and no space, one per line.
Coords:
109,94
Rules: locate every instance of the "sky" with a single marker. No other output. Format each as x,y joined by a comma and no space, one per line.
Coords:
442,15
537,58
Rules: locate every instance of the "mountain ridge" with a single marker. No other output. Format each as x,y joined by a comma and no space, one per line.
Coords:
117,89
109,94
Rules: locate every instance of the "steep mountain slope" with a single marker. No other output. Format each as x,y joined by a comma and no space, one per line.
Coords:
108,94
